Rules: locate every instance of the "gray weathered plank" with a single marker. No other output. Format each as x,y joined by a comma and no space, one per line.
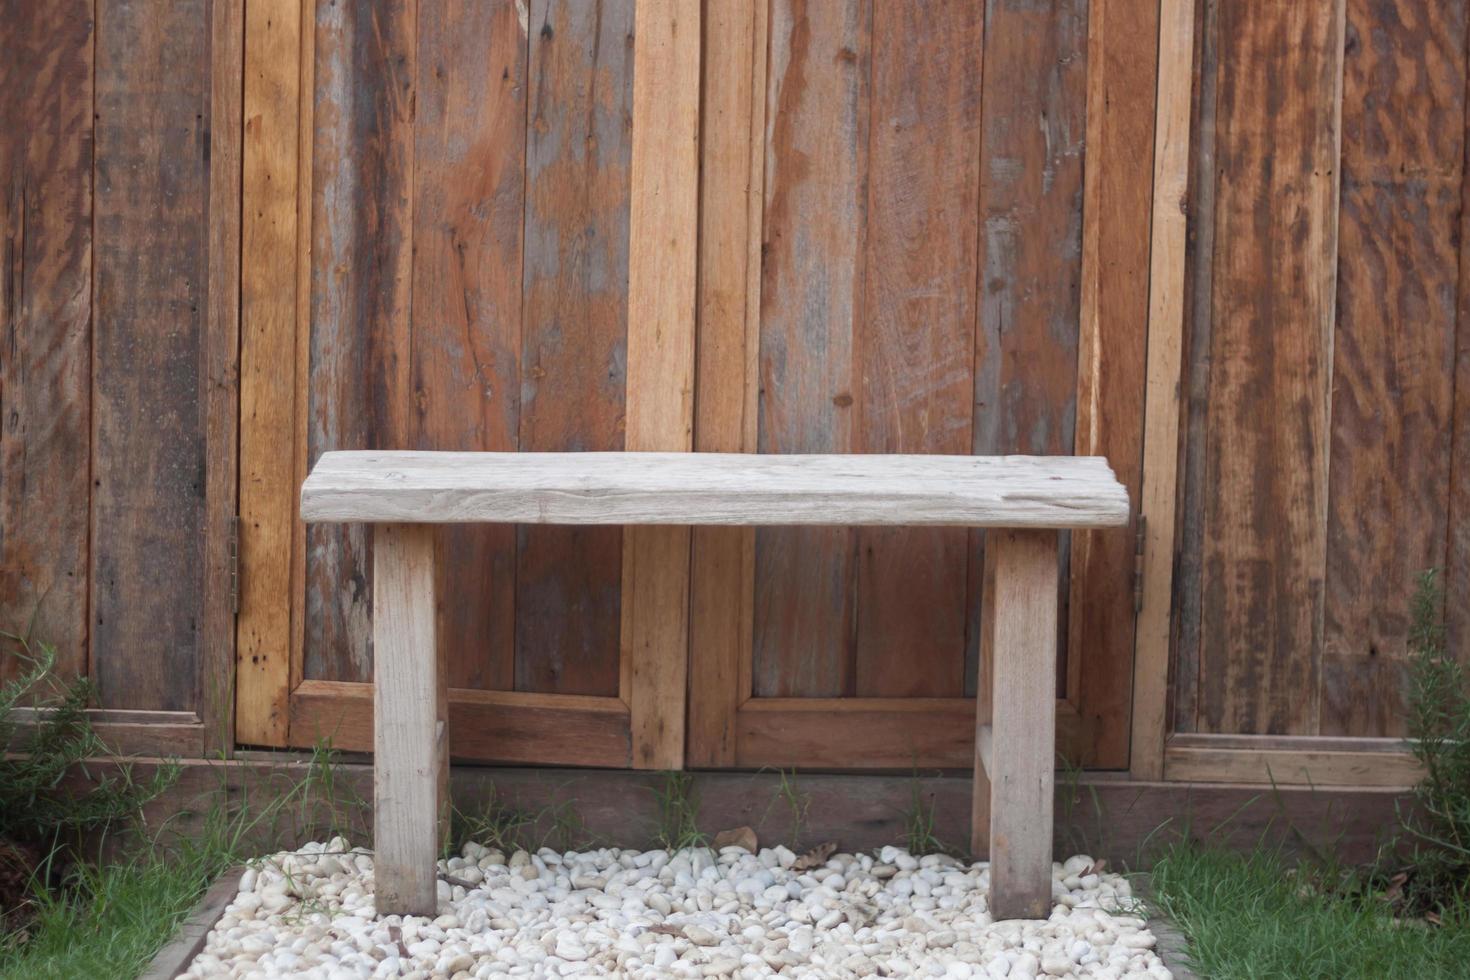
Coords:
714,488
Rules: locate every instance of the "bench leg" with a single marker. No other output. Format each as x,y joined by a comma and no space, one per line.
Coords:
1022,613
410,740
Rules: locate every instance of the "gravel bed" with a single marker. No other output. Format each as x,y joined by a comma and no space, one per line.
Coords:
693,913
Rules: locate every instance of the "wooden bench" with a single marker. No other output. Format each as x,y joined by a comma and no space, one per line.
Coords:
1025,499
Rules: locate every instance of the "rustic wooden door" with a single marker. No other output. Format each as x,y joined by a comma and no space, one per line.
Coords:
446,187
924,228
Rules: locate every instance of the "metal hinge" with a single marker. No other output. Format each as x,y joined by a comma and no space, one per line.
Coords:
1138,541
235,565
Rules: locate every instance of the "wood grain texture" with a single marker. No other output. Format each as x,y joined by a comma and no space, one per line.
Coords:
150,303
1160,465
1022,624
574,348
1034,108
915,341
663,230
1271,336
1403,151
714,488
217,673
468,208
267,393
1457,560
46,179
722,560
500,726
360,393
1309,762
817,104
1122,65
411,738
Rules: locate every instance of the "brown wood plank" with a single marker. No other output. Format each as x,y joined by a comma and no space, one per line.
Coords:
1266,469
217,674
663,234
46,183
468,205
1305,765
732,167
503,726
811,291
1403,150
1457,561
360,392
150,303
574,346
1033,111
267,392
1166,336
915,351
1117,196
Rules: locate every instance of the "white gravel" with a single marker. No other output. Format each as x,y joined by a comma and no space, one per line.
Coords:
695,913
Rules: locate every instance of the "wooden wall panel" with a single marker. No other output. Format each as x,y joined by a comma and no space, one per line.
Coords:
817,104
45,311
1403,150
1274,259
469,181
152,120
573,371
914,354
1034,109
361,249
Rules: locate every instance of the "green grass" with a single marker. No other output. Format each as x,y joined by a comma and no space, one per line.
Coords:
1254,916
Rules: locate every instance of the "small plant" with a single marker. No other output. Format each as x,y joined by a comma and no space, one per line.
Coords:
678,812
796,801
494,824
918,822
1439,736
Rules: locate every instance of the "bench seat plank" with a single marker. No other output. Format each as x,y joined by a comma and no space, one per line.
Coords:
714,488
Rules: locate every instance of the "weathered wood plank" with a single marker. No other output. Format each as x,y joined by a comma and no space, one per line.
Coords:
1457,561
715,488
1033,111
662,264
411,738
1021,621
505,726
468,208
811,289
46,94
360,392
1122,66
573,366
915,355
732,167
1403,149
1275,260
152,117
1196,758
1160,477
267,391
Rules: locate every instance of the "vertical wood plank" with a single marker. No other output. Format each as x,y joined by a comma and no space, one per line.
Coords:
1403,151
574,353
46,92
915,351
362,235
1457,560
468,206
1122,81
267,389
728,322
149,314
1033,111
1271,340
811,289
221,372
1161,393
1022,622
663,228
410,718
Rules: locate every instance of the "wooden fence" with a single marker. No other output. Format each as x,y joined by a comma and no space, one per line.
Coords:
1217,242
